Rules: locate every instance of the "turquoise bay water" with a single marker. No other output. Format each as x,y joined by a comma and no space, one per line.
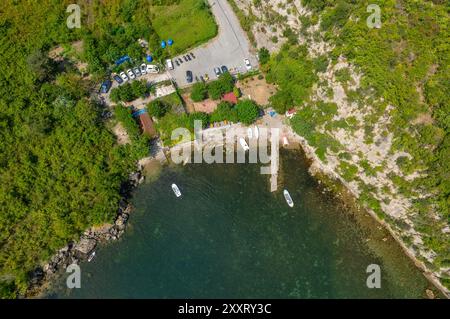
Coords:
229,237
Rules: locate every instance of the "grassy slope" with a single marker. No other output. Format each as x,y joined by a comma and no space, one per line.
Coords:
188,23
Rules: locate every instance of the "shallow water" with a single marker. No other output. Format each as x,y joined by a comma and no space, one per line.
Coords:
229,237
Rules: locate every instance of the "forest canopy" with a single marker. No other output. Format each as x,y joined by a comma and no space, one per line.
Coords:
60,166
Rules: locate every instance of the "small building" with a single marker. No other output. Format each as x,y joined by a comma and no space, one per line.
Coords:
146,122
290,113
230,97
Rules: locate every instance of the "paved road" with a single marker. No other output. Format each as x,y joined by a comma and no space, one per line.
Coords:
229,48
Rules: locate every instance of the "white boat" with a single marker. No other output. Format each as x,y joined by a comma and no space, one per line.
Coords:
91,256
176,190
288,198
256,132
250,132
244,144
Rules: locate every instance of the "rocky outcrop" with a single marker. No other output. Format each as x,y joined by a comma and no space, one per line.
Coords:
85,246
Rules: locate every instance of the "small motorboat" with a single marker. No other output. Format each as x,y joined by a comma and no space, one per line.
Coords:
288,198
244,144
176,190
256,132
250,133
91,256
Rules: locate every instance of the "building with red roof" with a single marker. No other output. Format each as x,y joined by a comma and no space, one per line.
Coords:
230,97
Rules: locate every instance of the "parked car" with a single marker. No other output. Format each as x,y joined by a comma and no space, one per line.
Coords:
189,57
177,63
192,55
106,85
202,78
143,68
185,58
247,64
196,78
137,71
189,77
224,69
181,61
131,74
118,79
169,64
124,76
217,71
151,68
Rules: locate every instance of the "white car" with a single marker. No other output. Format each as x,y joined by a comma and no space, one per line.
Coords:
247,64
151,68
124,76
131,74
169,64
143,68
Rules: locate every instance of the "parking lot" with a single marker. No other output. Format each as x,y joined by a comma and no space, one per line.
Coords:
229,48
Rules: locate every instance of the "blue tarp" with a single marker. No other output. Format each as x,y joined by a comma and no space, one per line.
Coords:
137,113
170,42
149,58
163,44
123,59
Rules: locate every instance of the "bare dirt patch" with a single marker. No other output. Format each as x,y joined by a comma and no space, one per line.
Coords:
423,118
56,54
207,106
122,135
256,89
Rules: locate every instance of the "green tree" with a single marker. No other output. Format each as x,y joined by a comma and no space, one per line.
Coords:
215,90
224,111
199,92
264,55
247,111
157,108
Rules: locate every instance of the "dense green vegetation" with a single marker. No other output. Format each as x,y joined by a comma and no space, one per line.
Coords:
224,111
60,166
199,92
293,71
130,91
157,108
247,111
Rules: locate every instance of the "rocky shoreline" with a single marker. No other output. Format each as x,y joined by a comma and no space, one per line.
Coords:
319,171
76,251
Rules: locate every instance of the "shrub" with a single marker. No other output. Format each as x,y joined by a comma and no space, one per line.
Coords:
223,85
247,111
237,92
215,90
199,92
264,55
129,91
157,109
198,116
224,111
